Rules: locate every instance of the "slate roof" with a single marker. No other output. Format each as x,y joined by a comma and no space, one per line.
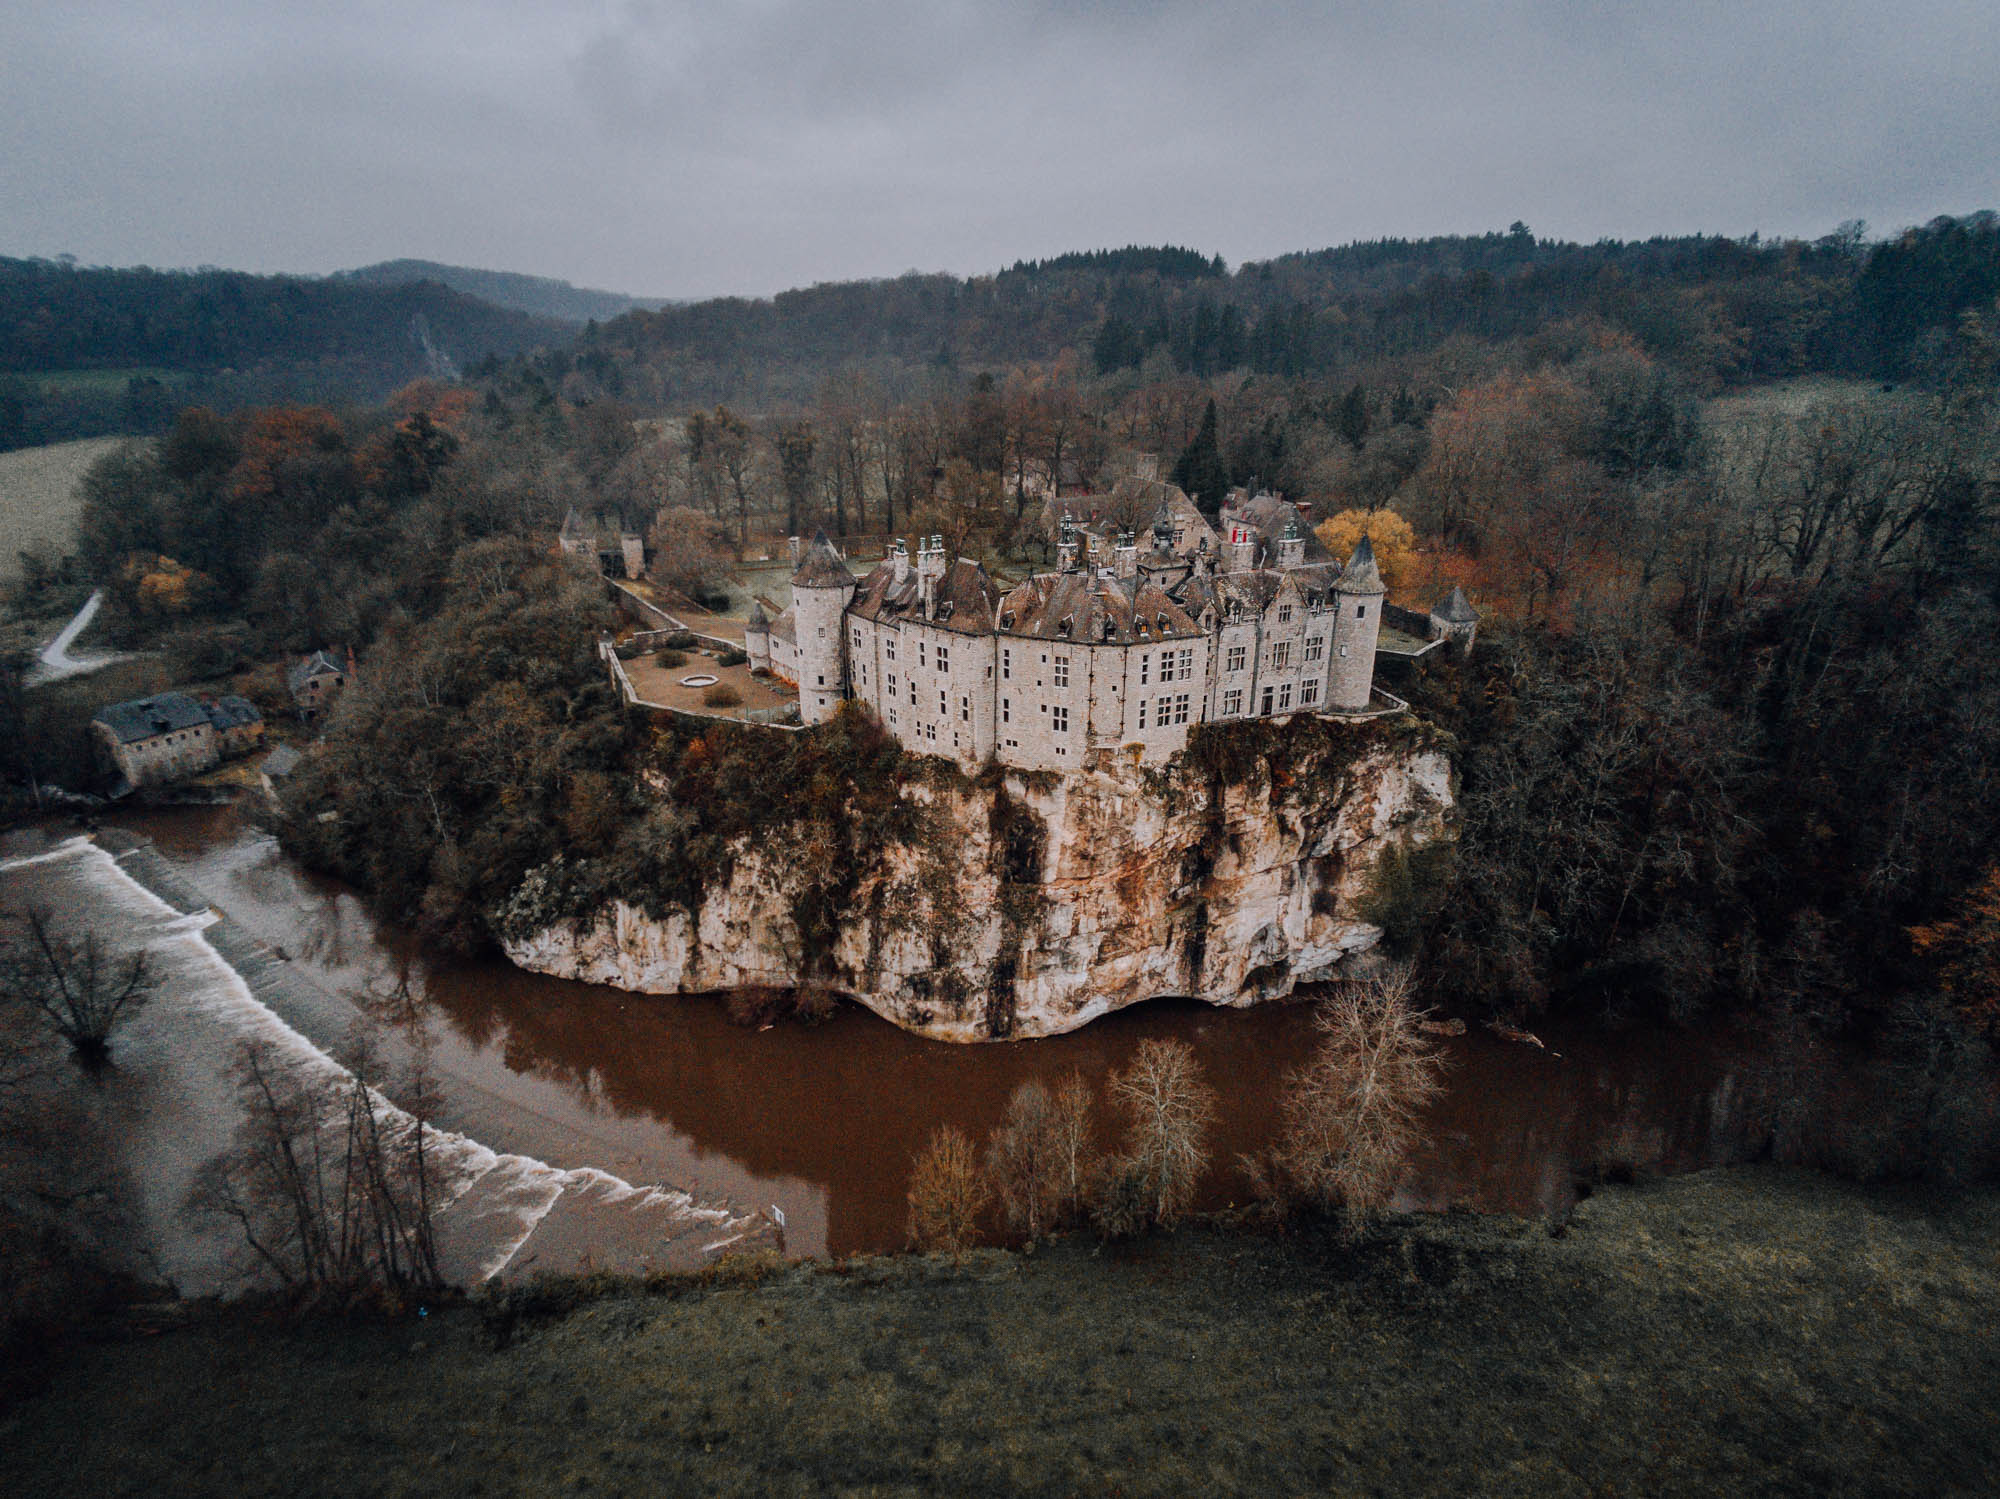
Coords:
1268,517
1361,575
149,717
233,713
1093,609
1457,610
757,618
318,664
967,599
822,567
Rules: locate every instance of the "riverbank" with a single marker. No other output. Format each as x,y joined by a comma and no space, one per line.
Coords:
1739,1331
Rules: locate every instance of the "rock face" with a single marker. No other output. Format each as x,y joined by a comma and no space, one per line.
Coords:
1031,905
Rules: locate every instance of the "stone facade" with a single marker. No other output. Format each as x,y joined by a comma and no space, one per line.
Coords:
1115,650
172,737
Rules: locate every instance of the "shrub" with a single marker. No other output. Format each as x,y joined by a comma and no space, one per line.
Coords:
732,658
666,655
722,695
680,640
946,1193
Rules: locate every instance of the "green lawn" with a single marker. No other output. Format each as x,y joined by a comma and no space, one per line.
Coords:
39,499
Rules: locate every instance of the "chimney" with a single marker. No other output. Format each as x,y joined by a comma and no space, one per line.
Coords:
930,567
798,553
1066,548
1125,560
899,561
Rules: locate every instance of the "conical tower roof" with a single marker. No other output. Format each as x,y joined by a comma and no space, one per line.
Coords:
758,619
822,567
1457,610
1361,575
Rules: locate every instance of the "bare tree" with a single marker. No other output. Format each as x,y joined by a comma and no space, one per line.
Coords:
1352,1113
1168,1110
333,1190
946,1193
1038,1156
78,989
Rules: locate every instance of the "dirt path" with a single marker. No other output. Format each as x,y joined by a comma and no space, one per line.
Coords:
1746,1331
54,662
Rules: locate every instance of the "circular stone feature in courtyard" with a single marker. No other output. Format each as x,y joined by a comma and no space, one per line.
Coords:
700,679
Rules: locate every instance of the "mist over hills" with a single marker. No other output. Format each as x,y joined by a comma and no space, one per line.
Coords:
540,296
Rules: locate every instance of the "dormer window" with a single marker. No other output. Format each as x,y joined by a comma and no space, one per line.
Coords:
1066,624
1161,620
944,610
1006,619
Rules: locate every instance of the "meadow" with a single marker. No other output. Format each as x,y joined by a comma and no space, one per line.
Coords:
39,498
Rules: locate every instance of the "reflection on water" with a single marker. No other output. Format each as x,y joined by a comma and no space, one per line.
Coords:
823,1121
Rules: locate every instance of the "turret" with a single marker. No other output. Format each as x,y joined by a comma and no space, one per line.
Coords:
1457,621
757,637
1066,547
1292,545
1242,549
1357,624
821,589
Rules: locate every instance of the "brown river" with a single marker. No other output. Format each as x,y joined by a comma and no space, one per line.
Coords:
820,1122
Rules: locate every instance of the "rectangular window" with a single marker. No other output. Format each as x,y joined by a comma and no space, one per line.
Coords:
1006,666
1360,611
1059,718
1309,690
1284,614
1142,713
1284,696
1232,702
1315,647
1267,700
944,656
944,707
892,718
892,684
1062,671
1180,707
1006,710
1145,667
1281,654
920,653
965,710
1235,661
889,648
857,640
1186,671
913,692
930,732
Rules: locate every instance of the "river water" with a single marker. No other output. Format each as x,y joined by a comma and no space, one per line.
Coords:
817,1125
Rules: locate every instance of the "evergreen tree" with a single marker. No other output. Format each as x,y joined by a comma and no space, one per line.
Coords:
1200,469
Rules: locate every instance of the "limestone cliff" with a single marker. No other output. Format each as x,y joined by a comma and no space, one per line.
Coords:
1030,905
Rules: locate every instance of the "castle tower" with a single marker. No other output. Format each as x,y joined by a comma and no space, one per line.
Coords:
1242,549
1357,623
1066,548
1292,545
1455,620
757,638
821,589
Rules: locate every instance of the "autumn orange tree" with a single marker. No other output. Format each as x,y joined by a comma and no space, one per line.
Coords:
1391,536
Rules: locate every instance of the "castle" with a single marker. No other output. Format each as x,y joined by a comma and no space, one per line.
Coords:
1118,648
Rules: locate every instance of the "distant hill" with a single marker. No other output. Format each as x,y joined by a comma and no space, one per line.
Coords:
543,296
88,350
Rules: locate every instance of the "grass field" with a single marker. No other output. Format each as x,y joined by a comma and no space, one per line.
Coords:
39,500
1751,1332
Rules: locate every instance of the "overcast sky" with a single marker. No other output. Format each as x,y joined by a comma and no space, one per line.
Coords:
685,149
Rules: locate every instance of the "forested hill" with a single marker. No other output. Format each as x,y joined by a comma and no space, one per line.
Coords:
1722,310
85,351
541,296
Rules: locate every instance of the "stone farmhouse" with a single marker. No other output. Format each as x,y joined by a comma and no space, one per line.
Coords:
172,737
1118,648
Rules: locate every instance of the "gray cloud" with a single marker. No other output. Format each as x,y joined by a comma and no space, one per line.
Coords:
748,145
